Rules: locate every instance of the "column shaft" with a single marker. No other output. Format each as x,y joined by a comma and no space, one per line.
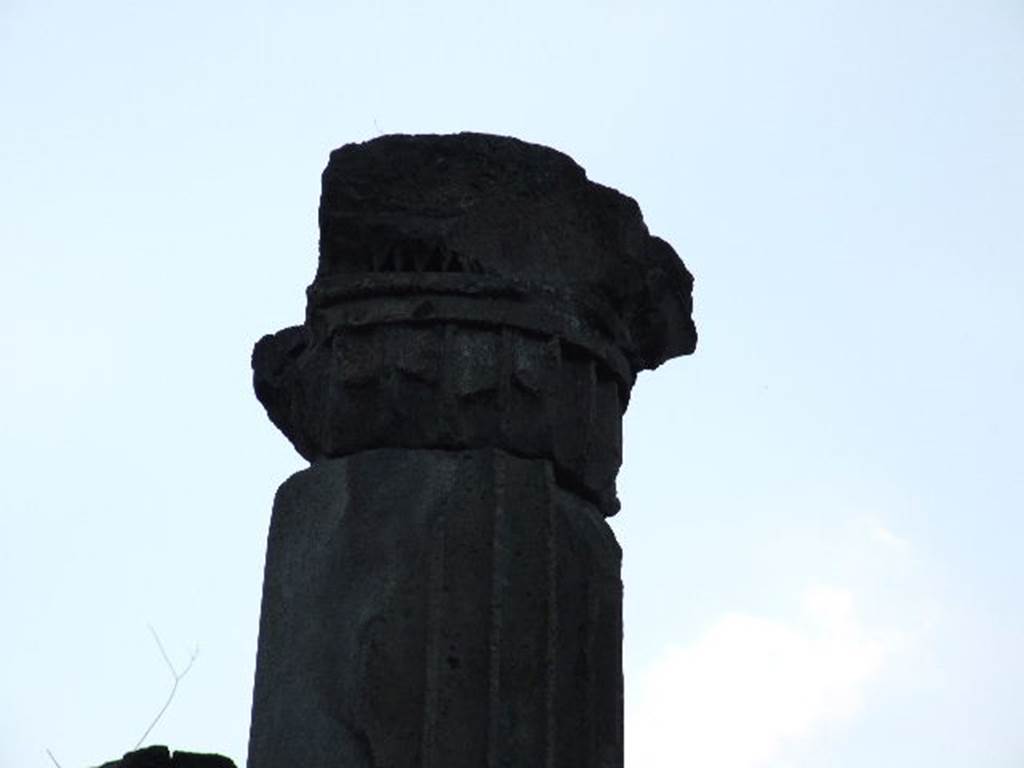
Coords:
438,609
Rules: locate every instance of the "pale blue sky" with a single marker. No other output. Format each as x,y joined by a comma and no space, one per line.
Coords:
821,508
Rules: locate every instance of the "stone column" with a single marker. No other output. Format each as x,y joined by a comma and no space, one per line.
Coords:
441,587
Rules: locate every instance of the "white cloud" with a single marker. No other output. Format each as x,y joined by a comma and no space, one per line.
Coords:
751,687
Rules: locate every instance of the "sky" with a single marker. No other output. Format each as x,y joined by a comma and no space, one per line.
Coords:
821,508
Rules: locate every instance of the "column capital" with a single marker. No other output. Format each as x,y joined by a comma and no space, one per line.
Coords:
475,291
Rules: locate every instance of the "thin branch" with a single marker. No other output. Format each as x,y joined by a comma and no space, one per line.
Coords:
162,651
174,688
53,758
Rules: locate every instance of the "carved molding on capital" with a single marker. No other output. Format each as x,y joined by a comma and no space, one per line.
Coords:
475,291
443,384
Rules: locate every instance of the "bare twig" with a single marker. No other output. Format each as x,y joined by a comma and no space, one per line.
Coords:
174,687
53,758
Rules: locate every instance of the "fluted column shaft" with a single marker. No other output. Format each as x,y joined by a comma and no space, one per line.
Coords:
437,609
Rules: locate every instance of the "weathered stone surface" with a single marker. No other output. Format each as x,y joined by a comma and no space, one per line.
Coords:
441,588
437,608
161,757
198,760
452,385
475,291
475,203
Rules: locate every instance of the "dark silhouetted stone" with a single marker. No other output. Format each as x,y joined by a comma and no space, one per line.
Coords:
161,757
150,757
198,760
475,291
437,608
441,587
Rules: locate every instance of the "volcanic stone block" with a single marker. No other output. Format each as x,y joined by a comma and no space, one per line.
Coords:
161,757
441,587
437,608
475,291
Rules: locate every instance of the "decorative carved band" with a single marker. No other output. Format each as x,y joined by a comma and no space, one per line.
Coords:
579,318
448,385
